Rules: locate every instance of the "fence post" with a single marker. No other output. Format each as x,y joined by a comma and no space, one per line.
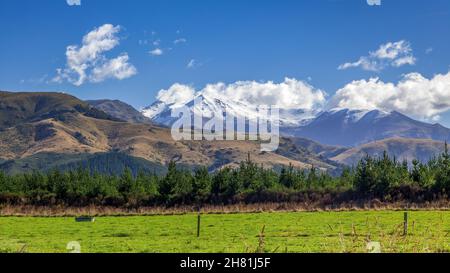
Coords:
405,224
198,223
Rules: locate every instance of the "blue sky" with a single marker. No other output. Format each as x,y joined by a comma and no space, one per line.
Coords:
229,41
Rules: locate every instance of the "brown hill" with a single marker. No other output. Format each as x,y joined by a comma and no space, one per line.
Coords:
120,110
401,148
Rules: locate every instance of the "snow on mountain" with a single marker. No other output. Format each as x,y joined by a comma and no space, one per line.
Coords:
297,100
337,126
160,112
344,127
302,112
355,115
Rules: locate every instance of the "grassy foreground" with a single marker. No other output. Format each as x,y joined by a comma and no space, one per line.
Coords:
429,231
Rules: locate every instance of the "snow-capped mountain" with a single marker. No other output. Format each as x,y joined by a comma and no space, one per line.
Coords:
341,127
344,127
160,112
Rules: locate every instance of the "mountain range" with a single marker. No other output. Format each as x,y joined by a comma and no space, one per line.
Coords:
344,127
337,127
42,130
160,112
56,130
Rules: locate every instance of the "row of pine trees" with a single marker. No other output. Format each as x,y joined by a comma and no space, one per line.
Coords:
373,177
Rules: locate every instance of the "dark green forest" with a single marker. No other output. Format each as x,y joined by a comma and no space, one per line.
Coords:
383,178
111,163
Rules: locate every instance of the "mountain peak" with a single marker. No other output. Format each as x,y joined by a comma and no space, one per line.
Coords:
347,127
119,110
160,111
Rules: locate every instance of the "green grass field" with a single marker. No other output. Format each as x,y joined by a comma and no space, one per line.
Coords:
291,232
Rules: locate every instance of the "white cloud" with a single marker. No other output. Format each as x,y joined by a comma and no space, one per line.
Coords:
289,94
364,62
156,52
429,50
407,60
390,54
180,40
156,42
192,63
88,63
117,68
414,95
177,94
73,2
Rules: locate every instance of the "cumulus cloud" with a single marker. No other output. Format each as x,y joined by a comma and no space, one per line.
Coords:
390,54
177,94
156,52
88,62
73,2
117,68
413,95
289,94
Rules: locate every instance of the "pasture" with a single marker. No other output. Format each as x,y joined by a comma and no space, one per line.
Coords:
428,231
